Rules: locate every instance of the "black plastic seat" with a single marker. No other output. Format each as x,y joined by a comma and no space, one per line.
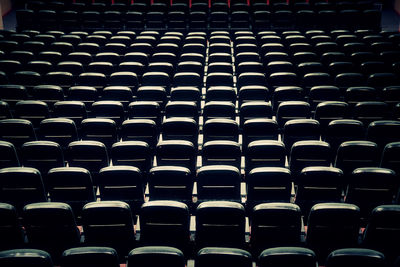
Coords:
268,184
383,132
60,130
91,155
176,153
176,128
349,256
220,129
122,183
42,155
356,154
275,225
153,256
101,130
8,155
71,185
140,130
21,186
382,229
32,110
24,257
287,256
309,153
110,224
96,256
55,235
12,235
17,131
221,152
370,187
171,183
221,224
290,110
299,130
332,226
230,256
219,110
370,111
312,189
165,223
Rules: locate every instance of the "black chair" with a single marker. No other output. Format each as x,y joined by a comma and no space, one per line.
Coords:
275,225
109,223
90,256
287,256
8,155
12,234
55,235
165,223
153,256
221,224
223,256
24,257
21,186
332,226
349,256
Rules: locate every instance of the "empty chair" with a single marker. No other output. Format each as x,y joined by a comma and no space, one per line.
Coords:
8,155
390,157
55,235
112,110
300,129
165,223
86,94
349,256
328,111
24,257
382,229
265,153
332,226
220,129
339,131
275,225
370,111
155,255
17,131
220,224
145,110
318,185
219,109
12,235
122,94
221,93
11,94
91,155
356,154
383,132
309,153
90,256
181,108
71,185
180,129
290,110
268,184
218,182
42,155
320,94
123,183
60,130
32,110
370,187
287,93
287,256
171,183
132,153
101,130
157,94
223,256
253,93
21,186
110,224
221,153
176,153
140,130
259,129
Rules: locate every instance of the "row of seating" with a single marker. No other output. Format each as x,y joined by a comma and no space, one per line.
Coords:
365,186
216,224
171,257
281,18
